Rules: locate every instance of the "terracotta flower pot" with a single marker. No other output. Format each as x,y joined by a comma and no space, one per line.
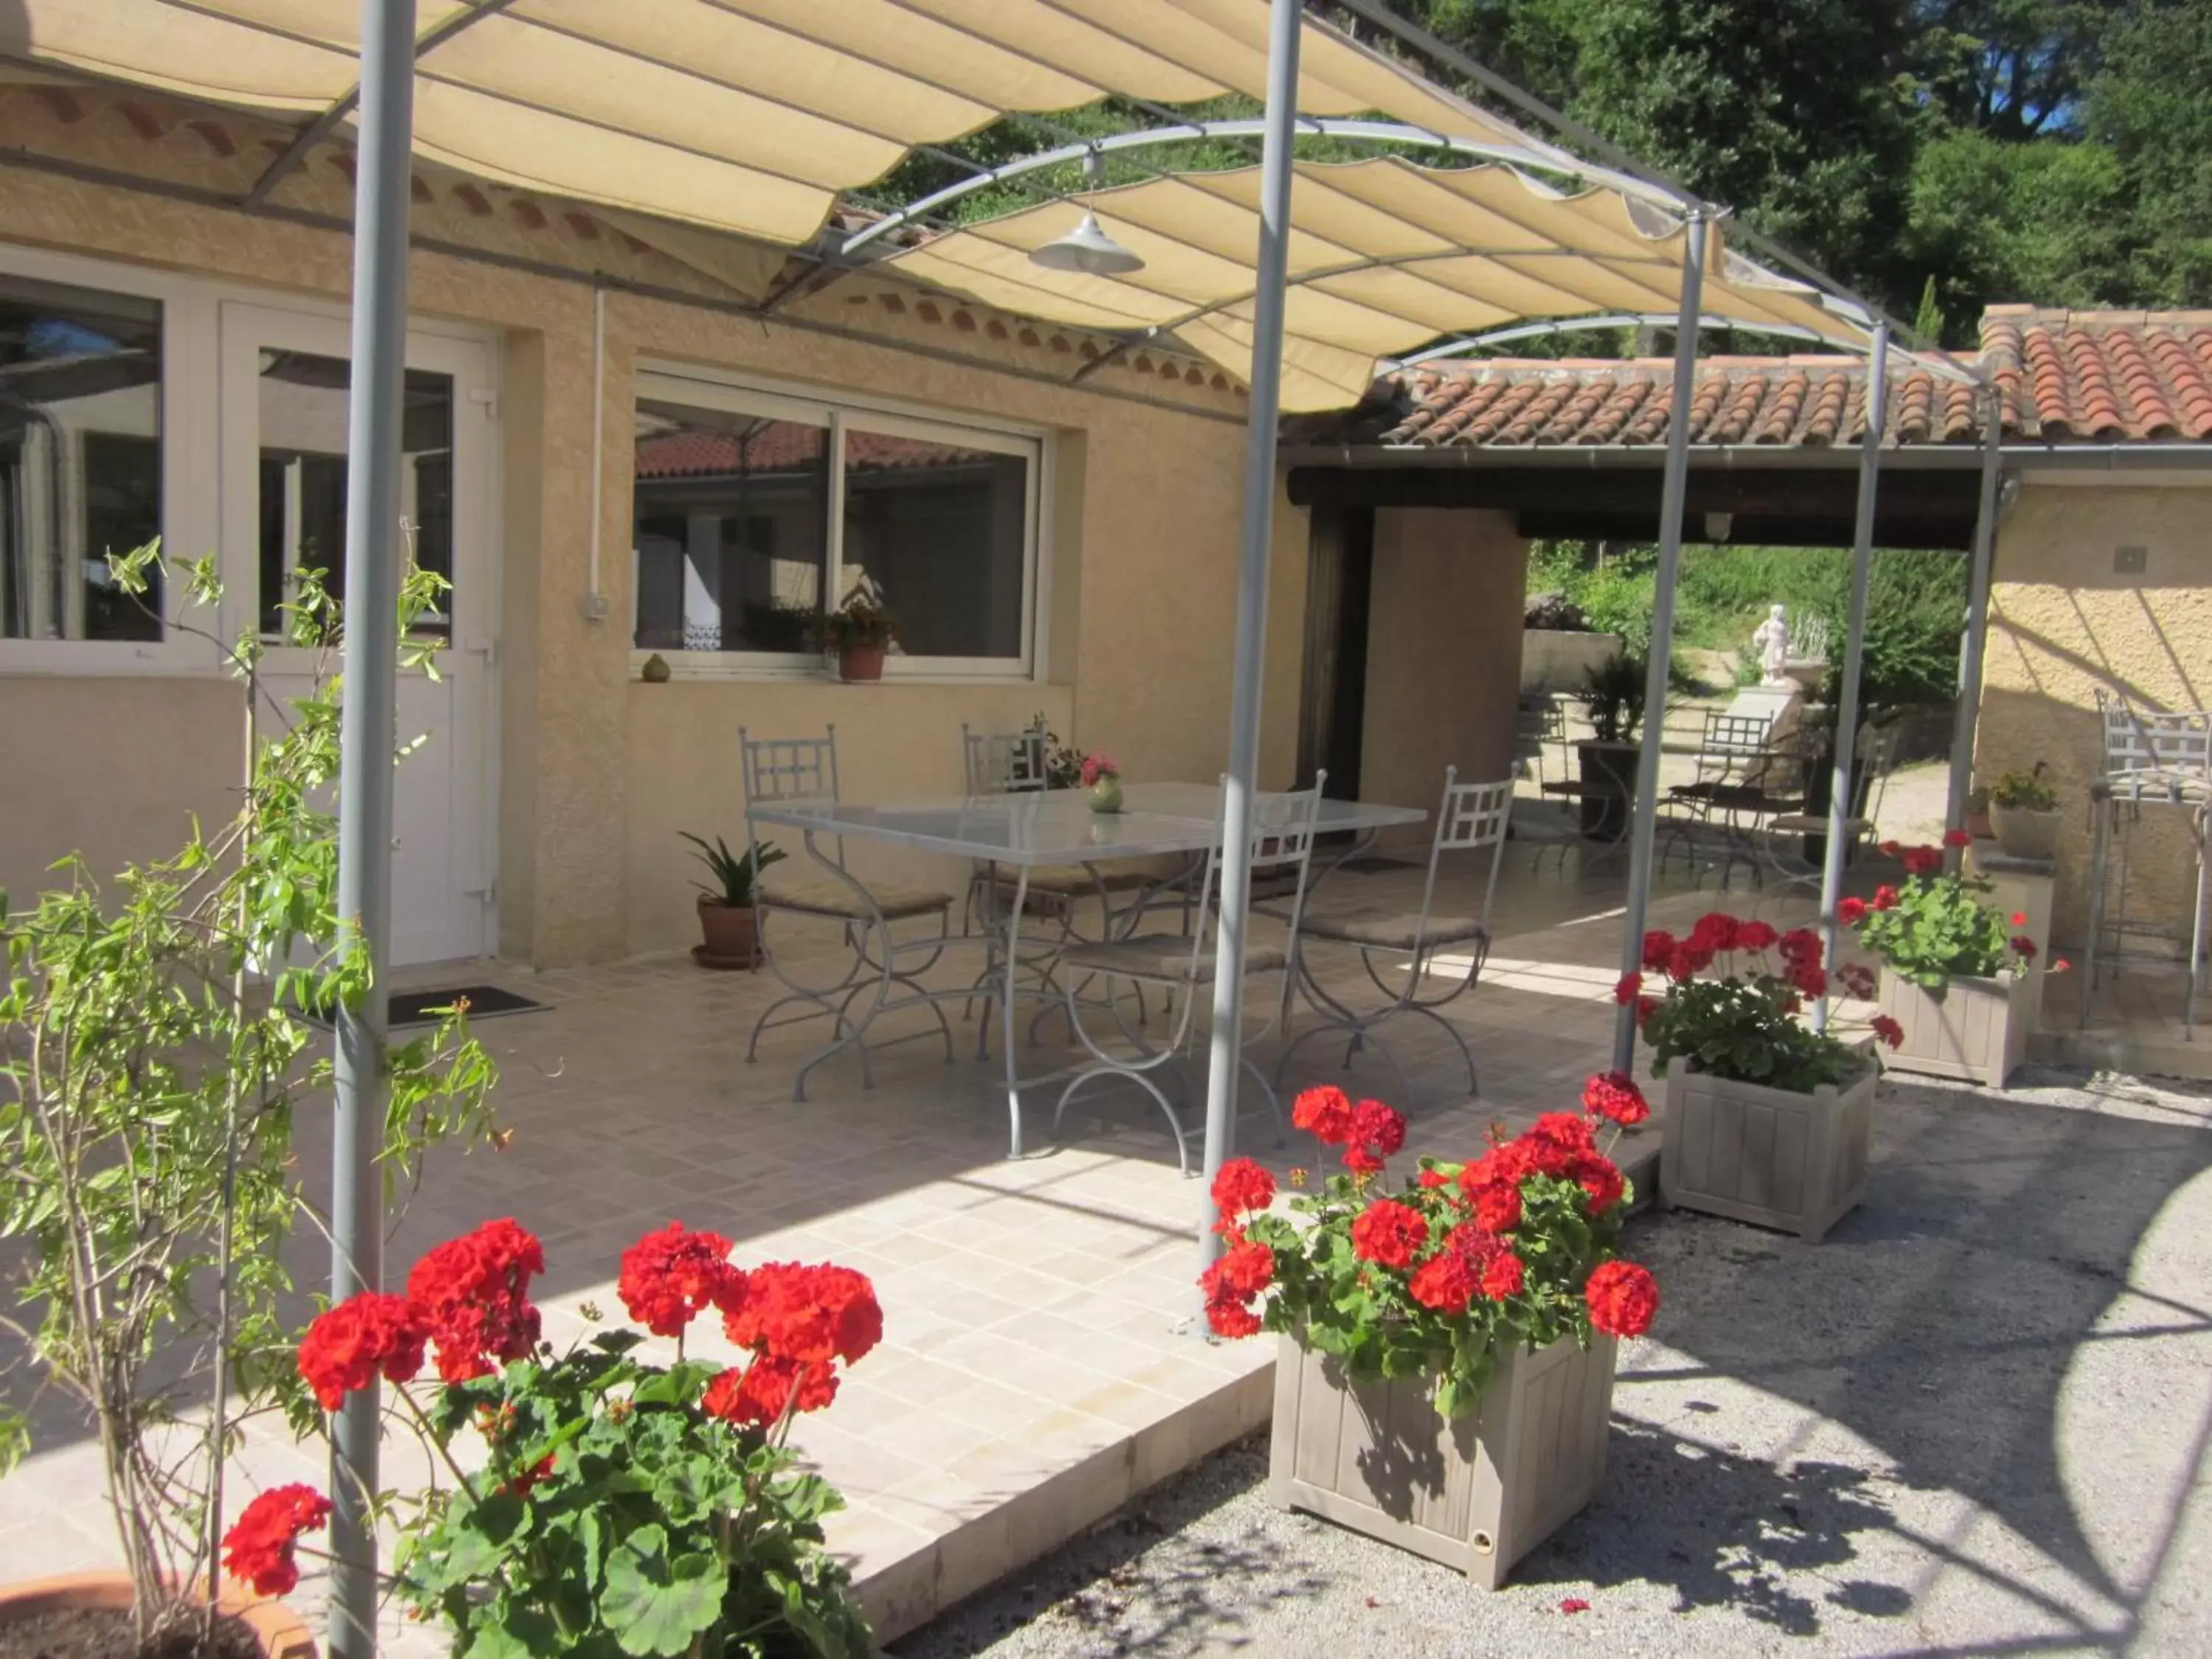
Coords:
280,1635
730,935
1476,1493
858,663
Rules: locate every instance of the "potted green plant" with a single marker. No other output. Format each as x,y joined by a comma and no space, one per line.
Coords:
858,632
1612,701
1767,1120
589,1501
153,1057
1977,825
728,923
1954,979
1459,1329
2024,812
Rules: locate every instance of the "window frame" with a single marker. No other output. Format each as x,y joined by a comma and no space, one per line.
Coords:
190,453
682,383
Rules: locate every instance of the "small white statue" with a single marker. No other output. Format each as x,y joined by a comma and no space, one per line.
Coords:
1772,641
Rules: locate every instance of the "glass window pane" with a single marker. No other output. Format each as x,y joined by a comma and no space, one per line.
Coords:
303,476
79,459
732,527
943,528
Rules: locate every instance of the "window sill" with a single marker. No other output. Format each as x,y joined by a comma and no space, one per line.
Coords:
709,666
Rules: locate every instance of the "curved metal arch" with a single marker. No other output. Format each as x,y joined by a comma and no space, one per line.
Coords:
1190,132
1943,365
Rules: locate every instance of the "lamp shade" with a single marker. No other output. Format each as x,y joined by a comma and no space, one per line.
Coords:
1089,249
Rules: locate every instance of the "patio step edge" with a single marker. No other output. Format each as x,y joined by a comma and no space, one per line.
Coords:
907,1593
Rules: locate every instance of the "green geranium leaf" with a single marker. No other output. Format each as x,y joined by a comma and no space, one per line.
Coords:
654,1605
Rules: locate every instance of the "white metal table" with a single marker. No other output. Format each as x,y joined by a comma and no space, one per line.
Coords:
1029,831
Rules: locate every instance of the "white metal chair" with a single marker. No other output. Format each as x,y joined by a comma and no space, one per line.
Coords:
803,771
1182,966
1874,758
1741,774
2154,758
1472,818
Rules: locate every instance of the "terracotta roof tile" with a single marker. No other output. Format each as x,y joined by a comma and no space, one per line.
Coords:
2080,377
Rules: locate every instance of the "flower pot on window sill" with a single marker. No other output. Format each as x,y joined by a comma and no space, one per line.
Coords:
2024,833
730,936
1477,1492
281,1636
1974,1029
1771,1156
860,664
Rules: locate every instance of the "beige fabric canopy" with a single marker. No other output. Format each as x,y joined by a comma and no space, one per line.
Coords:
743,115
1385,256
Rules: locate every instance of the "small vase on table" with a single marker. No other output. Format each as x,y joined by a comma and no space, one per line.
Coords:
1102,779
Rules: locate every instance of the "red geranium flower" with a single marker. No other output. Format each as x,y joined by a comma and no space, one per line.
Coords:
671,1277
1503,1275
1325,1113
1497,1208
1444,1282
1716,931
807,1314
1242,1188
773,1384
1497,1271
1645,1008
1857,979
1623,1298
1887,1029
1614,1095
1601,1179
1890,849
1682,964
1232,1320
1885,897
1922,860
1389,1234
1624,988
1755,936
258,1549
1957,838
2020,918
1812,981
1241,1274
2024,947
472,1292
347,1344
1850,911
1658,947
1556,1137
1800,946
1374,1124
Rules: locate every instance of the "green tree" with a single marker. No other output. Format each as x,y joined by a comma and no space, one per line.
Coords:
2151,102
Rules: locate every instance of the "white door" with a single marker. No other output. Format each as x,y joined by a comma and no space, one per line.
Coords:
286,380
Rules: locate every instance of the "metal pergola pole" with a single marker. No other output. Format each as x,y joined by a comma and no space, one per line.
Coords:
1227,1052
1643,825
1847,696
367,743
1978,617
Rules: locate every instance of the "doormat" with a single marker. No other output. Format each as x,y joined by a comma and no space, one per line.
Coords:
405,1008
1375,864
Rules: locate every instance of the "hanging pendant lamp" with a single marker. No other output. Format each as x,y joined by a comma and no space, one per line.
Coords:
1087,248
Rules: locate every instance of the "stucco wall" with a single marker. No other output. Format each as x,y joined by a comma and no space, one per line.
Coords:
594,777
2063,624
1444,654
113,768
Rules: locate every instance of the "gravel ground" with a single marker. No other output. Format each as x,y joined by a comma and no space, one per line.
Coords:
1974,1421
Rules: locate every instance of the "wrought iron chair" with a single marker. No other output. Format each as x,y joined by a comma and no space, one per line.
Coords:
1182,965
1472,818
1741,773
803,771
1539,723
1875,758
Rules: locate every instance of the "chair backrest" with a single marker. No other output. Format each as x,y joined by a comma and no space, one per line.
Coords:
788,771
1004,762
1282,840
1537,721
2167,743
1471,816
1735,736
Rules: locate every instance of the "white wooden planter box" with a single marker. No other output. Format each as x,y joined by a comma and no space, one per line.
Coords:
1476,1493
1977,1029
1767,1156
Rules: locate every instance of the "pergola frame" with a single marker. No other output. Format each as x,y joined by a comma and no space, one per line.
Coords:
379,308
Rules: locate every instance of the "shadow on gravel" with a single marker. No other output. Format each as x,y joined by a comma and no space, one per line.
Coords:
1721,1531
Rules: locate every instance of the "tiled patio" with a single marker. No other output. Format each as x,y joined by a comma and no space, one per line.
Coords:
1039,1362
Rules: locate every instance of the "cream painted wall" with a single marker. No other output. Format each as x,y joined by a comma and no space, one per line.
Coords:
594,780
2062,625
113,768
1444,654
